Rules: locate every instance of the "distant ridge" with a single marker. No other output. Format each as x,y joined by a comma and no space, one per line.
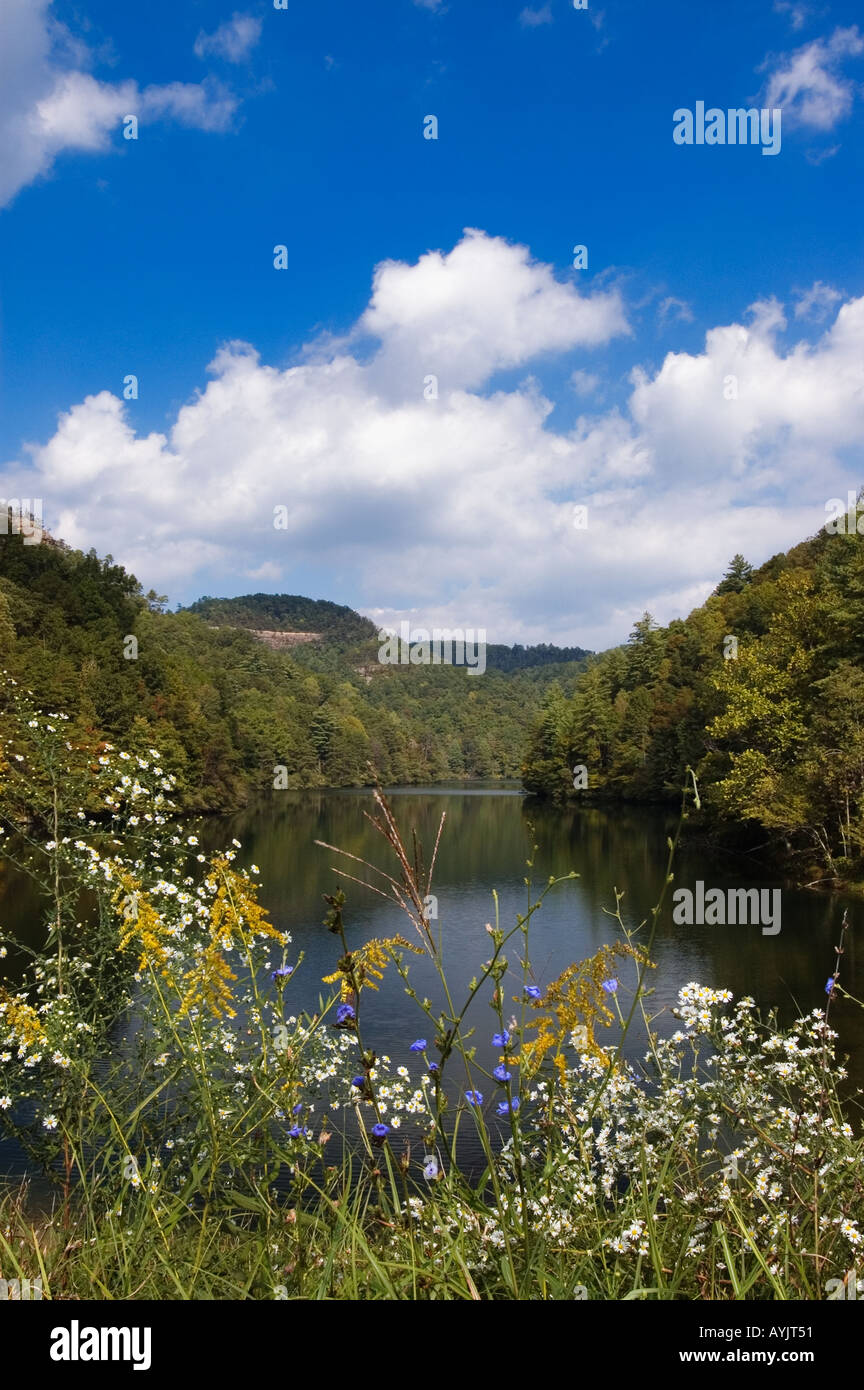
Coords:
286,613
289,620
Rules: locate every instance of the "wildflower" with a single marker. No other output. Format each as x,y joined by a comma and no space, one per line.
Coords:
500,1039
610,986
508,1107
829,987
474,1097
502,1074
532,992
255,869
380,1131
359,1082
430,1167
5,1102
418,1046
50,1122
282,974
297,1131
297,1108
433,1067
345,1014
191,839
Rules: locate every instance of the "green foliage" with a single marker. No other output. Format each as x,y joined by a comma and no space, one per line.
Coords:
772,721
737,577
227,710
286,612
518,658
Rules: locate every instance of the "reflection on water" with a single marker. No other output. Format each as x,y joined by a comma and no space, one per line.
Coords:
488,836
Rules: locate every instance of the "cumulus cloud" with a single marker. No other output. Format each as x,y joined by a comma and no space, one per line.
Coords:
48,107
457,508
233,40
748,411
481,308
810,85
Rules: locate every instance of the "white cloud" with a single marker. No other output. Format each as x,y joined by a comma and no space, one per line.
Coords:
458,511
584,383
483,307
48,107
798,13
753,415
809,85
677,309
817,302
532,19
233,40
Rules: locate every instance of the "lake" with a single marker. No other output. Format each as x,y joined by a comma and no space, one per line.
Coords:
486,841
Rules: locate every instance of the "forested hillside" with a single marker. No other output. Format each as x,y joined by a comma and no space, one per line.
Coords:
289,611
761,690
224,709
344,627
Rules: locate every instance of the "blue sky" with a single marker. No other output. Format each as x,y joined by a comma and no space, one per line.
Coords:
304,127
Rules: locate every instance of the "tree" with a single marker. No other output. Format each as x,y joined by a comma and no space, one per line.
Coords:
737,577
644,652
545,769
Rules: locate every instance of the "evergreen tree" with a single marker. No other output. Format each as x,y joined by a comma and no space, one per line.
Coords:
546,769
737,577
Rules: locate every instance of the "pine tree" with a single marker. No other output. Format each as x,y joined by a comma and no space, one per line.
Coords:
644,652
737,577
545,770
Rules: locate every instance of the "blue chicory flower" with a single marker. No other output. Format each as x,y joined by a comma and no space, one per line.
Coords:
282,974
610,986
500,1039
502,1074
829,988
433,1066
418,1046
506,1107
345,1013
533,992
296,1131
474,1097
380,1131
430,1167
359,1082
